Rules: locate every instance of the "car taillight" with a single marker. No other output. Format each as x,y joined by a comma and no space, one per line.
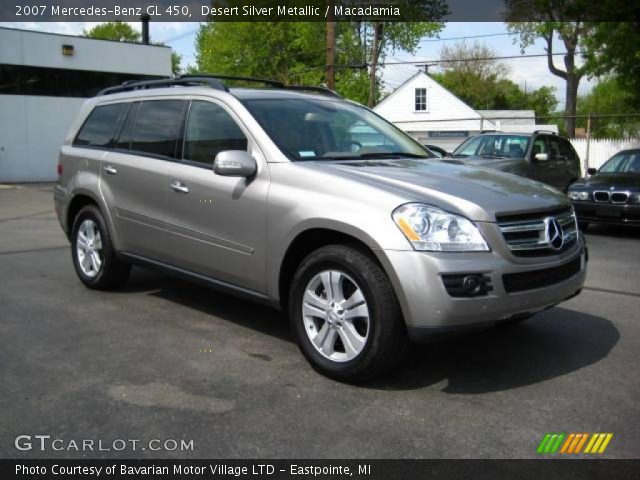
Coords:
59,169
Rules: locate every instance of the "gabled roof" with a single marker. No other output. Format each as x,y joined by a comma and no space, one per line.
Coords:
463,112
402,85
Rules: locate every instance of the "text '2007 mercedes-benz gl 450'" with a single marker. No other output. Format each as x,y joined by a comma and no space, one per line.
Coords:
297,198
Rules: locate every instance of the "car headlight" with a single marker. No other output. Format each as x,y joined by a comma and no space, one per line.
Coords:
578,195
432,229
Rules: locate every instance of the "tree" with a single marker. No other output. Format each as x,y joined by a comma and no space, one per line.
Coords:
473,61
473,74
389,37
292,53
286,51
123,32
118,31
553,18
614,49
470,73
610,97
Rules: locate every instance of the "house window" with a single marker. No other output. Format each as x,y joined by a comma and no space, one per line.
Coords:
421,99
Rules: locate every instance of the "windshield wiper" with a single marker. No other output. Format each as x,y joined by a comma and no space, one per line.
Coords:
459,155
378,155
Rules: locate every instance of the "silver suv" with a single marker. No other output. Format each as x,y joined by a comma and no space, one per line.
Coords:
297,198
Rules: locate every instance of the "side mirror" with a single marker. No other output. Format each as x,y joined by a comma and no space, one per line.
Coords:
235,163
541,157
591,171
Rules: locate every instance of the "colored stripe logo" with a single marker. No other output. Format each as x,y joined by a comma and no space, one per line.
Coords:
573,443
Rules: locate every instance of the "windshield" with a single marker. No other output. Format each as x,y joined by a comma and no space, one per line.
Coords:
493,146
320,129
623,162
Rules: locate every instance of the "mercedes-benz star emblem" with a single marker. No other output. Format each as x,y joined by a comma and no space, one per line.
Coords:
554,234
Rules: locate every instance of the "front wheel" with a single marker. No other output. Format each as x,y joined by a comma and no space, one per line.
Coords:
94,257
345,315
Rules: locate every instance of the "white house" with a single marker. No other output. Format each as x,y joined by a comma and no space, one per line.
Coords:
430,113
433,115
45,78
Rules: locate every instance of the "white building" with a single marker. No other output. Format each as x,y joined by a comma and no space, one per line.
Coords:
516,121
44,79
433,115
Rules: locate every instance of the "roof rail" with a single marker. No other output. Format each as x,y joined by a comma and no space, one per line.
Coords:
167,82
264,81
213,81
305,88
544,131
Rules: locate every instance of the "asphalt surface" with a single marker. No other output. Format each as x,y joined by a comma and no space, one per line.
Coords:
165,359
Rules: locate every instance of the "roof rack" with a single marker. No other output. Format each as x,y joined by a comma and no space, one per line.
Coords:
305,88
168,82
264,81
213,81
271,83
544,131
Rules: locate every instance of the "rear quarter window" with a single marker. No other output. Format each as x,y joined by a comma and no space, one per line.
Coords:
99,128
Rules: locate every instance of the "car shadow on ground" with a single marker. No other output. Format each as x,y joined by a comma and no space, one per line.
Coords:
242,312
553,343
618,231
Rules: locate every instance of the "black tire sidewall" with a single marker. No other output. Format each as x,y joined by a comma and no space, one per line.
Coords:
351,265
92,213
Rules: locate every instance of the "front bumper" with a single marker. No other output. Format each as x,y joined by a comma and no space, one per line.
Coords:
428,308
607,213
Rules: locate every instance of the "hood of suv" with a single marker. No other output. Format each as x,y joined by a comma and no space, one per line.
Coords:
476,192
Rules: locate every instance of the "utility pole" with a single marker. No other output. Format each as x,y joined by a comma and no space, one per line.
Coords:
586,155
375,45
331,51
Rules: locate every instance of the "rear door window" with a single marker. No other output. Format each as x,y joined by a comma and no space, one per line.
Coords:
99,129
158,127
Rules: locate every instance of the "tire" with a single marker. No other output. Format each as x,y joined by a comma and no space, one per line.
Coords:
351,347
583,226
89,237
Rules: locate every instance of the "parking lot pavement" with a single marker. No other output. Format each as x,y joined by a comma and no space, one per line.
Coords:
165,359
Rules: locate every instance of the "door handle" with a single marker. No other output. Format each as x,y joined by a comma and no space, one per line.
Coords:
110,170
179,187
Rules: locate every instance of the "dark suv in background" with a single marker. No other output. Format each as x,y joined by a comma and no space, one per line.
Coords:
541,155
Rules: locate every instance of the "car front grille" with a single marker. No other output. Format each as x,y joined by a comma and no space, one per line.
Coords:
531,235
603,196
520,282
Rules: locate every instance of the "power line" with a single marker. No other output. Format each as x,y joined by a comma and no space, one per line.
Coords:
182,35
482,59
428,40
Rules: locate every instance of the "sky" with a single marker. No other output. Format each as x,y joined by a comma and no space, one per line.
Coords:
530,72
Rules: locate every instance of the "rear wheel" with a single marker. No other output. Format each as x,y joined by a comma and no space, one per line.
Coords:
94,258
345,315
